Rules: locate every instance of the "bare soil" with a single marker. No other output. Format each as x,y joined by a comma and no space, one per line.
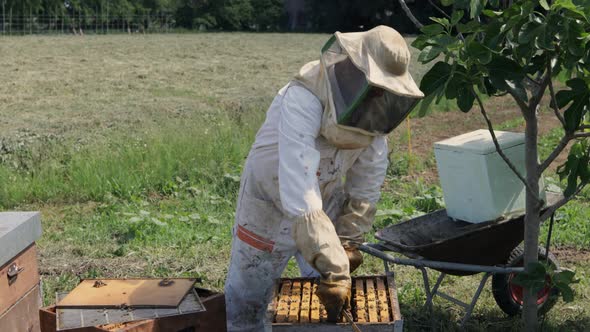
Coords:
567,254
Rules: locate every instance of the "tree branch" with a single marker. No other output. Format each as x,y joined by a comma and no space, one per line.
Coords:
553,102
561,203
523,106
411,16
556,152
445,15
536,98
439,9
581,135
499,149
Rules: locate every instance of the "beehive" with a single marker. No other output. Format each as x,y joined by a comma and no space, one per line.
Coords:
477,184
20,292
374,306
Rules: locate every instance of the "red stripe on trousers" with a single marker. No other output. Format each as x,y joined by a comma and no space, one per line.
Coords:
254,240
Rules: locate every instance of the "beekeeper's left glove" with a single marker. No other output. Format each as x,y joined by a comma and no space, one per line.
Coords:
356,219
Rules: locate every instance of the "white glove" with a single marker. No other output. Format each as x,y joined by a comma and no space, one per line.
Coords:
316,239
356,219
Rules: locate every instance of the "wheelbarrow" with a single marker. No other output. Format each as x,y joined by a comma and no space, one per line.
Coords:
454,247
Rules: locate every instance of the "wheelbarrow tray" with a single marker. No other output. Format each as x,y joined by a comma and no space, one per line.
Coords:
438,237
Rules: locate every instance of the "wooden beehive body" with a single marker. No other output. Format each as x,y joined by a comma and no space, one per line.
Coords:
374,306
20,293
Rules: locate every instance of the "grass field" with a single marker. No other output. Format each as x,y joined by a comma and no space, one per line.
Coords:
132,148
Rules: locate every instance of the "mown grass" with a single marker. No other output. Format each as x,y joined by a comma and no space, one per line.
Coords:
132,148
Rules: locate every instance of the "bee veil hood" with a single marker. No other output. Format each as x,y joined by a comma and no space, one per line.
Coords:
382,55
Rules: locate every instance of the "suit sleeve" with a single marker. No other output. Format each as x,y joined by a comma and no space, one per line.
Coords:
300,122
313,231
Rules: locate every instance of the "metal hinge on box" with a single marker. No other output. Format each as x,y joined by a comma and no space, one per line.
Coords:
13,272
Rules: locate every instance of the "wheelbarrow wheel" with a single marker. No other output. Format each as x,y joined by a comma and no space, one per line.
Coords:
510,296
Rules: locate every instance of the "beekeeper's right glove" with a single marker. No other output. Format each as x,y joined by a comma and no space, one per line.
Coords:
316,239
335,296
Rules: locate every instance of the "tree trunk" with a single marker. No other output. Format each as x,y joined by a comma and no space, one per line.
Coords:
532,218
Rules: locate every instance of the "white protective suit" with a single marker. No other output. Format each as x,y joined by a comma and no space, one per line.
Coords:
296,182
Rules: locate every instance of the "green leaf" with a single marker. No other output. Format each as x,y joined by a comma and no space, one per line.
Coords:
533,278
579,96
575,38
481,53
563,280
571,7
453,87
493,34
442,40
421,42
565,276
469,27
492,13
505,67
505,74
429,53
567,293
576,166
432,29
424,104
465,98
476,6
447,2
544,4
442,21
435,78
457,16
545,38
490,89
528,32
536,64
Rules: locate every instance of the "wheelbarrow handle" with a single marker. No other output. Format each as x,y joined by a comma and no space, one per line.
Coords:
374,250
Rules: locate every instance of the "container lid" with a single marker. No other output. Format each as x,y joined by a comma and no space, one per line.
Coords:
18,230
480,141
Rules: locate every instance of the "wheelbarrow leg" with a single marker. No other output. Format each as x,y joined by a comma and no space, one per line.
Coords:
431,293
437,284
427,289
429,296
469,309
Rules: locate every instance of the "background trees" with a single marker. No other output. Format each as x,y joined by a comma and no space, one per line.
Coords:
250,15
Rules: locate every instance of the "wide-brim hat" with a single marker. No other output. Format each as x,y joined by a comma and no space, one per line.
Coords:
383,55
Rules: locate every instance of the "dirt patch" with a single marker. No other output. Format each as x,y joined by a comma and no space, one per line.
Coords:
59,261
571,255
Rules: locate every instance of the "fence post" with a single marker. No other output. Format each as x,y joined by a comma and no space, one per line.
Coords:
3,18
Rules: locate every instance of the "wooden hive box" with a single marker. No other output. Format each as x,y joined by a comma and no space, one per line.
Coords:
208,321
20,294
374,306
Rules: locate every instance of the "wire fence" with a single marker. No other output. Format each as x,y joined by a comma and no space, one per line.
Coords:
13,25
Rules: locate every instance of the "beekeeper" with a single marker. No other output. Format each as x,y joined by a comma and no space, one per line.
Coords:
314,173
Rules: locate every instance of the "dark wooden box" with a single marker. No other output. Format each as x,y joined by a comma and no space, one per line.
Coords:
208,321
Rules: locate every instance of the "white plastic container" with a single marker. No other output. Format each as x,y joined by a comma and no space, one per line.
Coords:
477,184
